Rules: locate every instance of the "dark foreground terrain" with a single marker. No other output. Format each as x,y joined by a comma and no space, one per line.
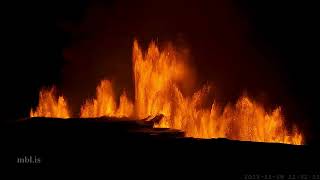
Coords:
128,147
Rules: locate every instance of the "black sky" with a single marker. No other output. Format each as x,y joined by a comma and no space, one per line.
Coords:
265,48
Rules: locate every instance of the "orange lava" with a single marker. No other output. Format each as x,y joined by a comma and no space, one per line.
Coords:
50,105
157,76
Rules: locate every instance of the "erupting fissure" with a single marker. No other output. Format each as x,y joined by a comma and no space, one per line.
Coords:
157,75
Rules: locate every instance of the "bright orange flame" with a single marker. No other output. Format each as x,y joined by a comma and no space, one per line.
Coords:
50,106
157,76
105,104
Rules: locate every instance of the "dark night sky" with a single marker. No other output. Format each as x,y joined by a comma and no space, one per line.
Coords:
266,48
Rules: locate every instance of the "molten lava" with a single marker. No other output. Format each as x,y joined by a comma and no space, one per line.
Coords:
50,105
157,78
105,103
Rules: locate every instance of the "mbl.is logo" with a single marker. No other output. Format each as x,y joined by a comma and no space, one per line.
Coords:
29,160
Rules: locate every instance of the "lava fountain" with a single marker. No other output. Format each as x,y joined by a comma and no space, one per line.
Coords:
51,105
157,76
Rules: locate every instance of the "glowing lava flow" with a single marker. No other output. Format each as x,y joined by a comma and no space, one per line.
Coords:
157,76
